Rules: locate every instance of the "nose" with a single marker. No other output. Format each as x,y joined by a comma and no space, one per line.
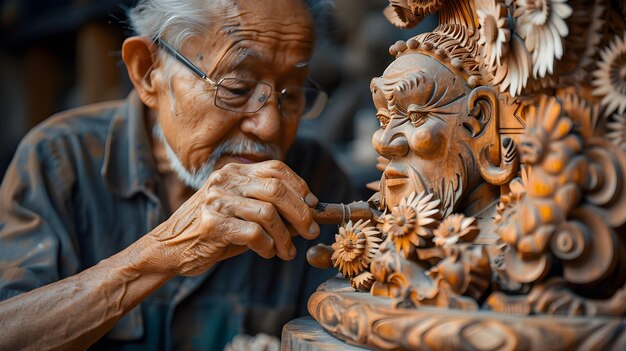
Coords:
390,142
265,124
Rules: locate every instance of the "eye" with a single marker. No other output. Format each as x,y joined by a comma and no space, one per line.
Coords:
417,118
235,92
292,101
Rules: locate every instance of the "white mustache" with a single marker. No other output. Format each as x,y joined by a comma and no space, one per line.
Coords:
196,177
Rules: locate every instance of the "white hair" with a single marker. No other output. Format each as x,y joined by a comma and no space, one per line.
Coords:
175,21
196,177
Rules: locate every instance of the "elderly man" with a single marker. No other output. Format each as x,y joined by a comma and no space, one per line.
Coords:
88,243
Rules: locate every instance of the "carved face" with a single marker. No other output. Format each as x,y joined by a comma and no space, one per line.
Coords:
422,108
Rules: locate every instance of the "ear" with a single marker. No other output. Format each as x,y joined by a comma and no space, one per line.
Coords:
482,105
497,166
482,121
139,55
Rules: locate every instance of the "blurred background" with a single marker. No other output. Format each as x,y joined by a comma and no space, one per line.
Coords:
59,54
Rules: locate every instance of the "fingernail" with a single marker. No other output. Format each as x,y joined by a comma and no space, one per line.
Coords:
311,200
292,251
314,229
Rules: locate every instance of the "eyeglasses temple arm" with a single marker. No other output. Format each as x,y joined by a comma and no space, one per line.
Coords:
183,59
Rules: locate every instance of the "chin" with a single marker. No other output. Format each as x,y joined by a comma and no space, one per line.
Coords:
448,191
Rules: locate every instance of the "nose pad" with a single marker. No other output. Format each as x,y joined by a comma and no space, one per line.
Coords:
390,143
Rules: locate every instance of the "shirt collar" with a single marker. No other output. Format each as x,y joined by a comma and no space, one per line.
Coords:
128,165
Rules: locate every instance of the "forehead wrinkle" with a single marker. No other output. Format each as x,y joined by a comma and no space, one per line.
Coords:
392,86
244,25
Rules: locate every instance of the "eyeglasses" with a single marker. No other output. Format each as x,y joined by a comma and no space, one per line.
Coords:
249,96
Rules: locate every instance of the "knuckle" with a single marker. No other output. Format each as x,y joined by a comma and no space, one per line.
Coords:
217,204
266,211
208,220
256,232
277,188
216,178
212,196
306,214
276,164
230,167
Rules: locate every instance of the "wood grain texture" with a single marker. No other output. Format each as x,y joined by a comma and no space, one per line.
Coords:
503,195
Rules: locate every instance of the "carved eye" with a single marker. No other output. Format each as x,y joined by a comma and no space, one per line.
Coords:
417,118
384,120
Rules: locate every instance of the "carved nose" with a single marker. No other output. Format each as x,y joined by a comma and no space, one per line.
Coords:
390,143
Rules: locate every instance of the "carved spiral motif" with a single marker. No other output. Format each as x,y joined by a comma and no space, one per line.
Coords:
570,242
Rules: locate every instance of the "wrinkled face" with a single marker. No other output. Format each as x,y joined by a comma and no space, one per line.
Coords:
269,41
421,106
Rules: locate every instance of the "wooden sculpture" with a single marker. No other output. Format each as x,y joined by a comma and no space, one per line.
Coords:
502,204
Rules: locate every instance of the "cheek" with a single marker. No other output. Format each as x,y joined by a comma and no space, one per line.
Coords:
428,142
194,127
289,130
376,139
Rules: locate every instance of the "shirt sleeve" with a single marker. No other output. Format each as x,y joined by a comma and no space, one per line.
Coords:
35,217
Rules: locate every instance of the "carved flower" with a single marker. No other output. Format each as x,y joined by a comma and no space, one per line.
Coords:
610,77
617,130
354,247
515,69
542,24
494,30
456,227
363,281
425,7
408,223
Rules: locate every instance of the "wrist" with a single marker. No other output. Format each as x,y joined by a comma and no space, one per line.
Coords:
148,255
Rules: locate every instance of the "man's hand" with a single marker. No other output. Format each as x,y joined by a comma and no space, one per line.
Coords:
257,206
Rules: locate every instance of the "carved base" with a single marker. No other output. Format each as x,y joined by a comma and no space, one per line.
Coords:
371,321
305,334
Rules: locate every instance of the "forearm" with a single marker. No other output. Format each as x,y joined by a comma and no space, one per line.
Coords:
75,312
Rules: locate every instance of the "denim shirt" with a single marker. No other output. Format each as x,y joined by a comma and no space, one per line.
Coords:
83,186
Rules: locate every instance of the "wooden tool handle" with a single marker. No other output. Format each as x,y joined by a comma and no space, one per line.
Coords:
326,213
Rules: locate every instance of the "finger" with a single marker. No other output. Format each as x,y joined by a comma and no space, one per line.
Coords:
275,191
279,170
250,234
288,204
260,212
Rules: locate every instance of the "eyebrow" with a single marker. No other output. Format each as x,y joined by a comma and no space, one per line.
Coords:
247,55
